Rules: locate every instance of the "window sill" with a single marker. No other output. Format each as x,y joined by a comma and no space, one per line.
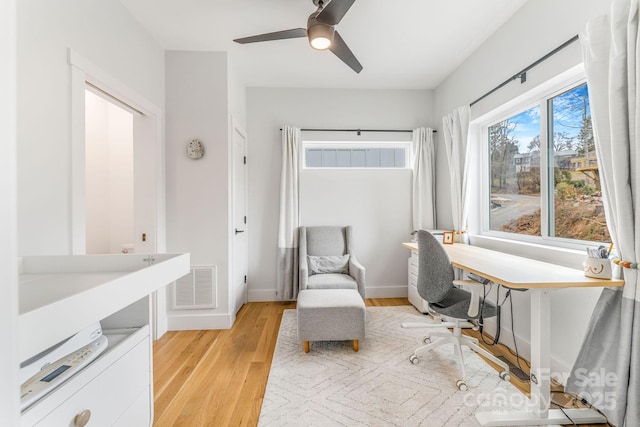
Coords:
555,255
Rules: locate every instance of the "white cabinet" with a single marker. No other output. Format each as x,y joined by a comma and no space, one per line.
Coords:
414,297
60,296
104,390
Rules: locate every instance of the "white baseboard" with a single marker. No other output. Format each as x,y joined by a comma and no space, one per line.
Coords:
262,295
159,301
190,322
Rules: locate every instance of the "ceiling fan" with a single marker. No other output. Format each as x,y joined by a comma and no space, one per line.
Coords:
320,31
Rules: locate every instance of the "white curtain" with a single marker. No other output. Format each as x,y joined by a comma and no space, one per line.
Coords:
607,370
287,274
423,204
456,132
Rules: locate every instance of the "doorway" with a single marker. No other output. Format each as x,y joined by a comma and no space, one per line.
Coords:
108,176
145,181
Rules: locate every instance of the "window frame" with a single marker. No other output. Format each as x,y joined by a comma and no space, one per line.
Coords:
406,145
539,96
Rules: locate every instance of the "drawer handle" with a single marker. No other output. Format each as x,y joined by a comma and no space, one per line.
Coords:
82,418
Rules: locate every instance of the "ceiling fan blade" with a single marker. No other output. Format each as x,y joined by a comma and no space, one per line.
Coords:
277,35
334,11
342,51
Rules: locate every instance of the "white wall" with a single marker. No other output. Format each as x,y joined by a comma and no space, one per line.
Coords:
9,402
120,140
237,96
537,28
377,204
270,108
104,33
109,176
198,190
97,174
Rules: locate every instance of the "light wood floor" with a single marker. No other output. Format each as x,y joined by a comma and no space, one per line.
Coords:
218,378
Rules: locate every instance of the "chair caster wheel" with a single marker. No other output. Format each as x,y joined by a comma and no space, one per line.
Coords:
475,328
462,386
426,339
414,359
504,375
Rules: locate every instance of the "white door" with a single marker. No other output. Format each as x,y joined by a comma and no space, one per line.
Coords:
239,232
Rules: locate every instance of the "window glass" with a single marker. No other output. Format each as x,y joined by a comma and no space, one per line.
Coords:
357,158
313,157
357,155
329,158
372,156
577,209
514,152
387,157
563,200
344,159
400,157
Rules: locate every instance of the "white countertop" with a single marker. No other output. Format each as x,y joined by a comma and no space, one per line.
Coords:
59,295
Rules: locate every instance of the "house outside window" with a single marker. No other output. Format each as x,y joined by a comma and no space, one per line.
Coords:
543,171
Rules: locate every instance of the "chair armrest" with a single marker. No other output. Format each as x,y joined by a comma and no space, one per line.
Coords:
357,271
303,274
476,290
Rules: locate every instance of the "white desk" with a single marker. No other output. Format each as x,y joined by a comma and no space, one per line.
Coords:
540,278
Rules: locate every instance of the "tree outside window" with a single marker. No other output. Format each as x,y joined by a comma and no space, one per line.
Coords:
574,208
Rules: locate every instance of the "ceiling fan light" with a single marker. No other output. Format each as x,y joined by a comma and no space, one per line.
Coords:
320,36
320,43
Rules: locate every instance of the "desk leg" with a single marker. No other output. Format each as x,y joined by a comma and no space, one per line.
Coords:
540,349
539,413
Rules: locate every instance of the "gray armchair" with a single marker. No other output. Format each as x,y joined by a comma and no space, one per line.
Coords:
326,261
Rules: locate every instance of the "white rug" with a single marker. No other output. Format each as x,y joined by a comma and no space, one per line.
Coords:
377,386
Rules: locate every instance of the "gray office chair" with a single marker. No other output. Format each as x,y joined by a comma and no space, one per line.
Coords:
326,260
437,286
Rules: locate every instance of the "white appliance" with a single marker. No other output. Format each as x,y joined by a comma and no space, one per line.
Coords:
46,371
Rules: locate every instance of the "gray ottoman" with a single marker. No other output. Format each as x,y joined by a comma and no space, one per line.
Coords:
330,315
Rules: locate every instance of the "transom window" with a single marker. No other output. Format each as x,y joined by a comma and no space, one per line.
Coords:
336,154
543,171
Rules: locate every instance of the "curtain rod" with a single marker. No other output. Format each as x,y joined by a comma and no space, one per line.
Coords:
522,75
359,131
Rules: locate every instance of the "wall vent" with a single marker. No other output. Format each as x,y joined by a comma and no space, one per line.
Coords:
196,290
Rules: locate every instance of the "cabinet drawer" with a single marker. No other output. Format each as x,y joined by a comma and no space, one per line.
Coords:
138,414
412,277
413,269
416,300
412,272
109,395
413,259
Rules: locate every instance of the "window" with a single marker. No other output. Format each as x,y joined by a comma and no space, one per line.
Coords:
356,155
543,171
515,173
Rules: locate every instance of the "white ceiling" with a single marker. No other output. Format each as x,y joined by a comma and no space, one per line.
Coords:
402,44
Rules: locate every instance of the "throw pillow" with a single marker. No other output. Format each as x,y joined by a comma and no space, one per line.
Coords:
328,264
